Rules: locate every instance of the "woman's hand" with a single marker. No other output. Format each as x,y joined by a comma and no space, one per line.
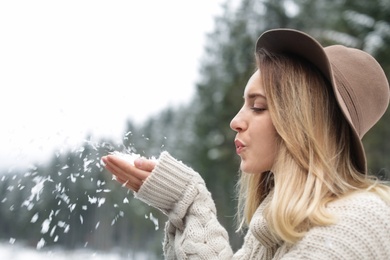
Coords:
131,176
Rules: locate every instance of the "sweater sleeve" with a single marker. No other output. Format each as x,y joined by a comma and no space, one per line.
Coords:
192,229
361,232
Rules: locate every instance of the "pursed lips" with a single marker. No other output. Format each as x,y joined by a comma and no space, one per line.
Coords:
239,146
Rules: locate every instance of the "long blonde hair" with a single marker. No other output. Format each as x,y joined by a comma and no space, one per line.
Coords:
315,163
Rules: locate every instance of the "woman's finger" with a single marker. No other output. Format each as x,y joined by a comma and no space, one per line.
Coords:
128,181
125,173
132,185
144,164
124,168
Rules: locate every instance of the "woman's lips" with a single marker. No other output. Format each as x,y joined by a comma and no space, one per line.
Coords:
239,146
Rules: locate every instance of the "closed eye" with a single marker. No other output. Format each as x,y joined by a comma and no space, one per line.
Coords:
258,109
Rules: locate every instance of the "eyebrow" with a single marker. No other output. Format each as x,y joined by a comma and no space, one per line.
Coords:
254,96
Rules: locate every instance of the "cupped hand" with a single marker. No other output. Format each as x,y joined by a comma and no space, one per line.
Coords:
131,176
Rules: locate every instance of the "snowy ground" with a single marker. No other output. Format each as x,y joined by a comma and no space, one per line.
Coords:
16,252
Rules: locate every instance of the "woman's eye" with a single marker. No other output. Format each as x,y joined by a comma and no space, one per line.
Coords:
258,109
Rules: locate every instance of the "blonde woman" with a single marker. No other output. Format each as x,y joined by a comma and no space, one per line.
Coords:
304,190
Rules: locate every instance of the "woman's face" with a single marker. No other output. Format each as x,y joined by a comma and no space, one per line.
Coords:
256,135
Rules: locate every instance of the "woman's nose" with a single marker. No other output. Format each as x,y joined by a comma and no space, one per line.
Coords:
237,123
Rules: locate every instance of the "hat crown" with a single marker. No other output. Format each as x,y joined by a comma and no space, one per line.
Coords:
361,84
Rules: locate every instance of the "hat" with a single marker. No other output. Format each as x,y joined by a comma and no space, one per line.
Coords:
359,83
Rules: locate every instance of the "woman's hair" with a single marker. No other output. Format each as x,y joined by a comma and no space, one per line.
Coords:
315,163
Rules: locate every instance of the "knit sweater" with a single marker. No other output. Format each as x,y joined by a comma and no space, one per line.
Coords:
192,231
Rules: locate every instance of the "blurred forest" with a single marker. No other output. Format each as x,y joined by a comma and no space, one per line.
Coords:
73,202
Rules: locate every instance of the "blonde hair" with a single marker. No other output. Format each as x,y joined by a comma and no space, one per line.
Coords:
315,163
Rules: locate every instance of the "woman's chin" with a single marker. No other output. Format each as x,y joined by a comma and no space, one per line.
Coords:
244,167
250,168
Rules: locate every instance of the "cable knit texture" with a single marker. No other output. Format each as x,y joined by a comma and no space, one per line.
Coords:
193,231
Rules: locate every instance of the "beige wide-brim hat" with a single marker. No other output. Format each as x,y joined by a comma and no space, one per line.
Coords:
359,83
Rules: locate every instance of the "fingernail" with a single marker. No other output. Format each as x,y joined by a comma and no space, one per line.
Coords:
103,160
138,162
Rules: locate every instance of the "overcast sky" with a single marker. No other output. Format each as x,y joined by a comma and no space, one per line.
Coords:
77,67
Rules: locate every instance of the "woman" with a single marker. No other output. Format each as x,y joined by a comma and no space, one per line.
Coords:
304,188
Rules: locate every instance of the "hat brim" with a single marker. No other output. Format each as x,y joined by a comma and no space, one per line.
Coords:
305,46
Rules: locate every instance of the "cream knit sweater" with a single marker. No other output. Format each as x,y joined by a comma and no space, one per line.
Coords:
193,231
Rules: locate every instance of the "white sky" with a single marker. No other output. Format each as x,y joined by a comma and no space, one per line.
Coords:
77,67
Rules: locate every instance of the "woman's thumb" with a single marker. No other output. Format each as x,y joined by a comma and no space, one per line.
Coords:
144,164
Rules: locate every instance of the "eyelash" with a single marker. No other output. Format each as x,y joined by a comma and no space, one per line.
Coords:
257,109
